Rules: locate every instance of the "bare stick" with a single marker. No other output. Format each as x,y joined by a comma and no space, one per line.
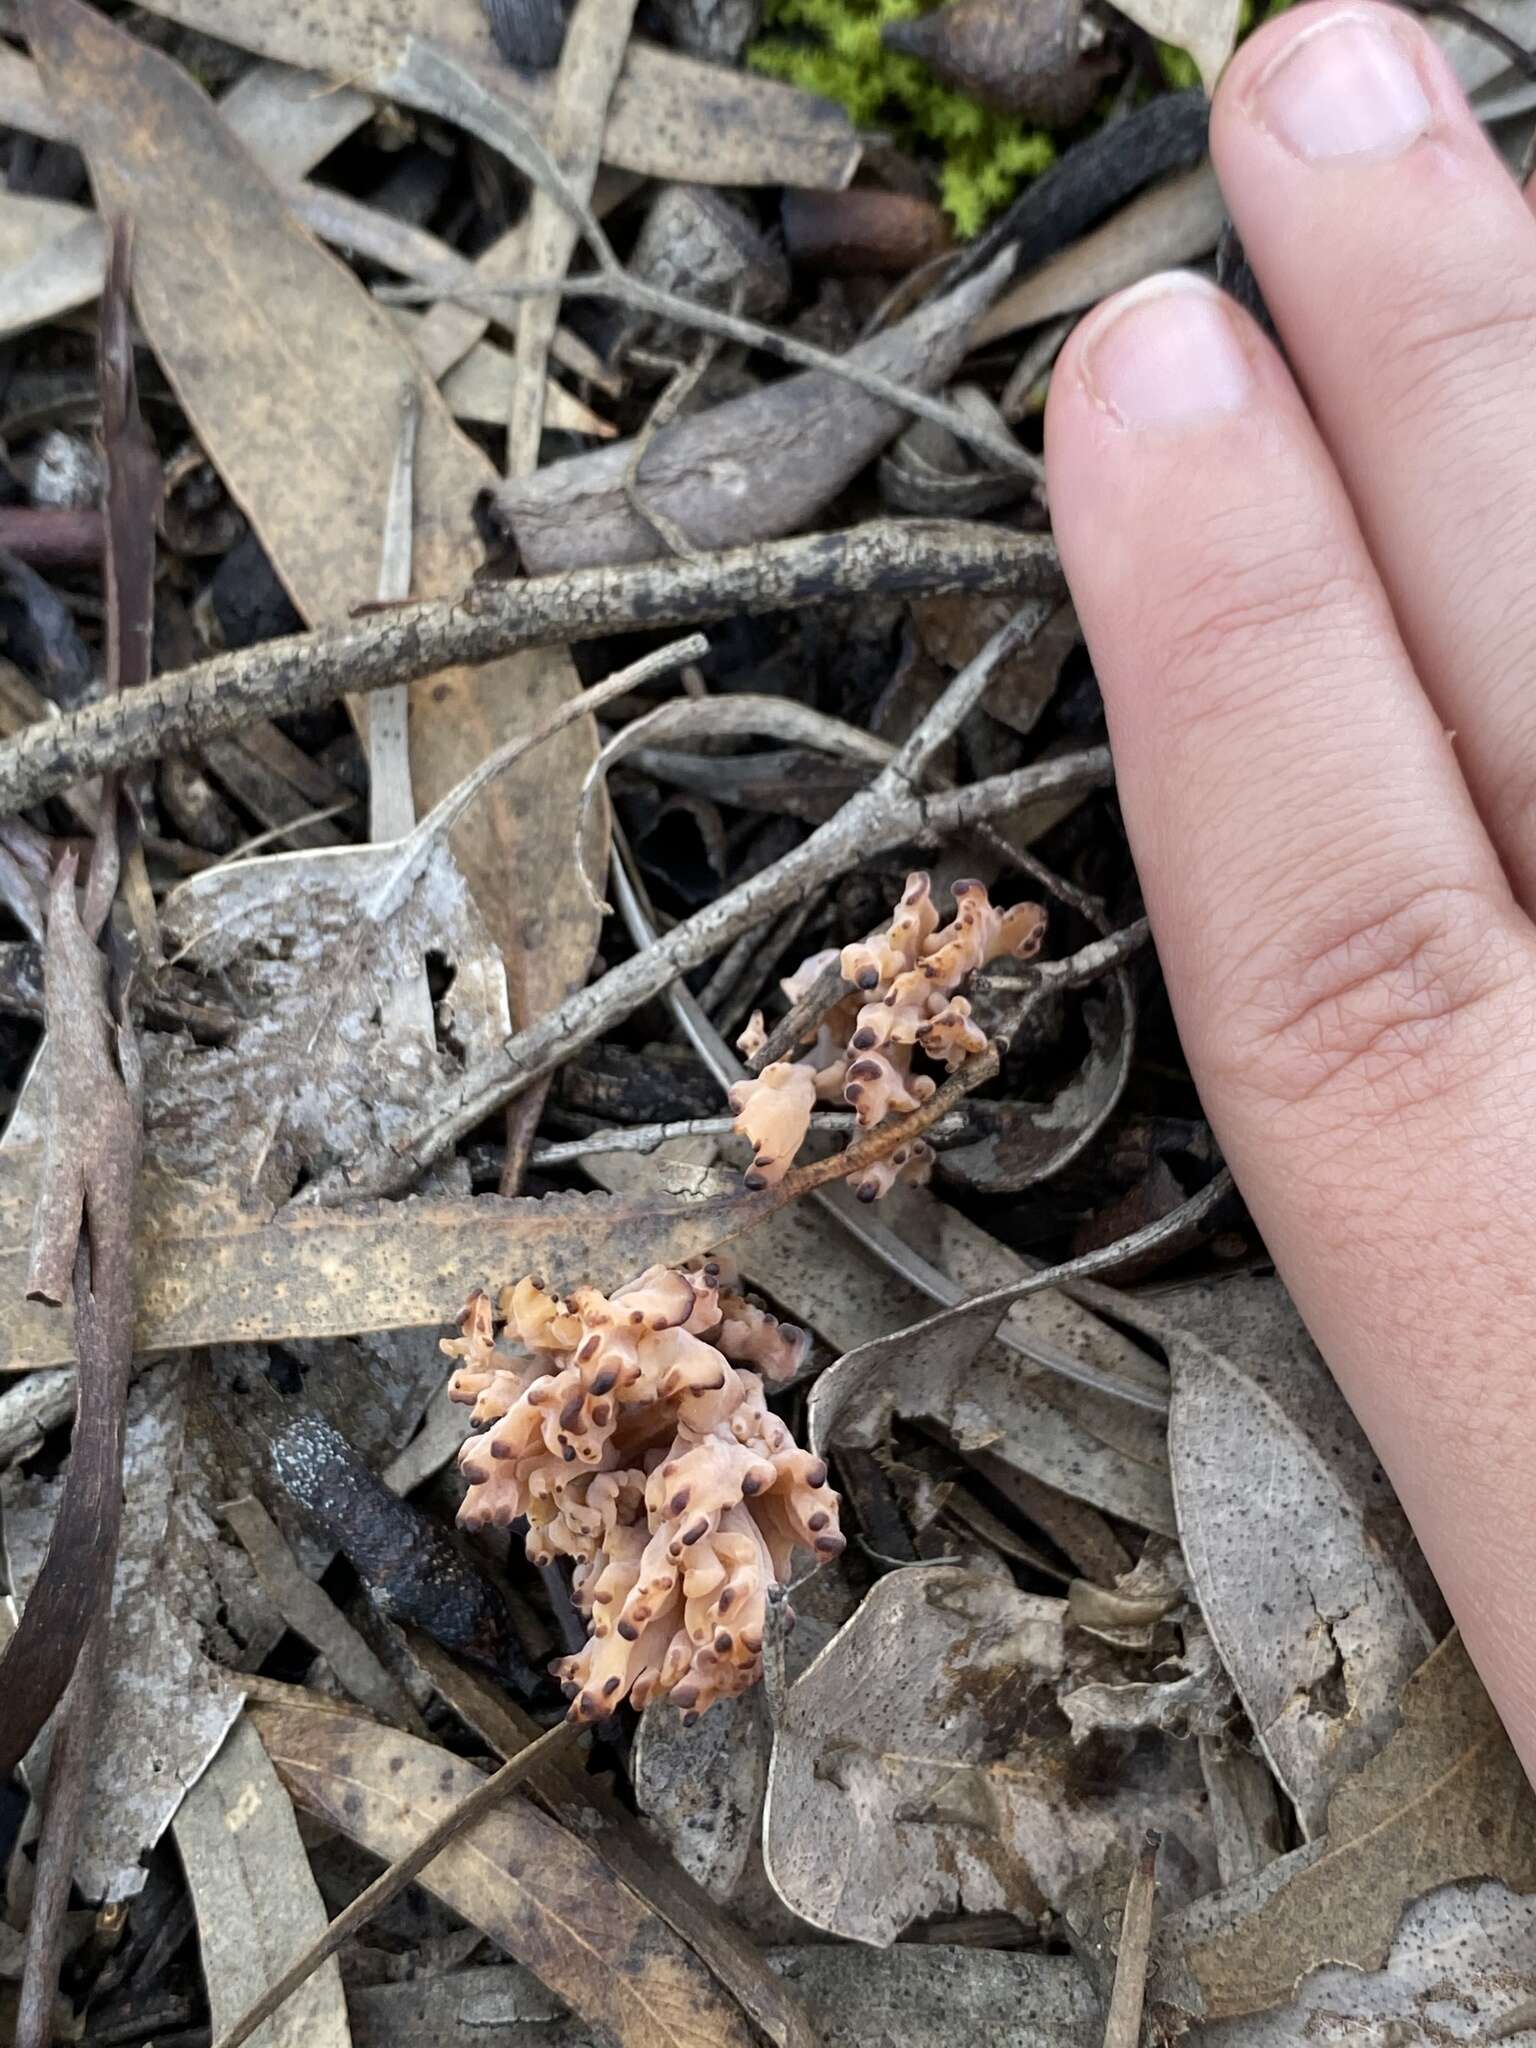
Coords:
1122,2025
390,1883
596,37
496,123
885,557
800,1019
391,808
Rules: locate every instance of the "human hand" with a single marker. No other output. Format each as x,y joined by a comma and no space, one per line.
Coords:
1314,622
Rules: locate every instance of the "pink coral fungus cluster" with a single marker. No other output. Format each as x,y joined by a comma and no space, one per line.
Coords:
905,1000
627,1430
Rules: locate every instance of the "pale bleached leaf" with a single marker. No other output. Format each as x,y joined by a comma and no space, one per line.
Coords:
922,1768
258,1906
1317,1596
1206,29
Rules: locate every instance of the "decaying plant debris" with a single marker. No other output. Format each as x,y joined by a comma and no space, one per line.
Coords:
982,1619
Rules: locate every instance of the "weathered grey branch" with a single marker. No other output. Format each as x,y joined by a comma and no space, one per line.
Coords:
887,557
871,822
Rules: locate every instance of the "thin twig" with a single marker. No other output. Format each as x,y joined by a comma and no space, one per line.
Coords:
405,1870
870,823
1122,2024
800,1020
280,677
596,38
646,1137
735,717
498,125
391,807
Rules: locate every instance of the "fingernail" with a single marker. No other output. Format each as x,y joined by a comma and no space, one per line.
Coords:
1346,88
1167,354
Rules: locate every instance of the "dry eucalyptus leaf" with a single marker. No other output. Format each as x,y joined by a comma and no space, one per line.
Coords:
1206,29
165,1707
530,1884
922,1768
1445,1800
1174,223
988,1396
258,1907
1308,1575
991,1392
671,117
211,1273
1461,1968
291,377
915,1996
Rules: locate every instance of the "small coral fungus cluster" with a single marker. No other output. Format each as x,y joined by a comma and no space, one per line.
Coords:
627,1432
905,981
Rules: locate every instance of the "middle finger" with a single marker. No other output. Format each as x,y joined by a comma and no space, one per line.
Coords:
1399,262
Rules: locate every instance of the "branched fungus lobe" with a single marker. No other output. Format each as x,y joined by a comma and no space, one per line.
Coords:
630,1433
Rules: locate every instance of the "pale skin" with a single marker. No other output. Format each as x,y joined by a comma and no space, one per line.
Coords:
1310,595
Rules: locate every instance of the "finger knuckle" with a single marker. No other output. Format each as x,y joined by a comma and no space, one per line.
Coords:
1382,1007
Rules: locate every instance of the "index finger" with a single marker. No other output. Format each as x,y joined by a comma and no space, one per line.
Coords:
1350,972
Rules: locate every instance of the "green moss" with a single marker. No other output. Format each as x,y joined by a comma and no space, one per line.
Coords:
833,47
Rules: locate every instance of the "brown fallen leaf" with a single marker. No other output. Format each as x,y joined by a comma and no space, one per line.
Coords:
1462,1967
671,116
290,374
211,1273
1173,223
257,1903
1446,1799
747,470
921,1768
529,1883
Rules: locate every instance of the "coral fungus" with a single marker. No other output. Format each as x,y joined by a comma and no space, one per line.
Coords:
904,1001
629,1434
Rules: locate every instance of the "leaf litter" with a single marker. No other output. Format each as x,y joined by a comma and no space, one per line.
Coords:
1125,1707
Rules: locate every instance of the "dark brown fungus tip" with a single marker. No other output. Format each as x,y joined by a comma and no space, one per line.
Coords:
723,1641
611,1686
816,1472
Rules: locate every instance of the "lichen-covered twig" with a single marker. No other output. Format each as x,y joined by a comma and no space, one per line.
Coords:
885,557
871,823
